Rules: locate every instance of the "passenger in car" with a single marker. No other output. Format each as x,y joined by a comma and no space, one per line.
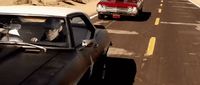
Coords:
54,32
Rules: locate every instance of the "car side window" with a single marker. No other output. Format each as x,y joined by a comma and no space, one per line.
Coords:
80,29
49,31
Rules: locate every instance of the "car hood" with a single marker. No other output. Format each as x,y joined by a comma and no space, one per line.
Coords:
118,4
16,65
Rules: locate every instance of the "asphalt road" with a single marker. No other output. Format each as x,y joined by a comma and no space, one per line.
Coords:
163,42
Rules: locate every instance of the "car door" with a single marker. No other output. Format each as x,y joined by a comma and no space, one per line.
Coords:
82,30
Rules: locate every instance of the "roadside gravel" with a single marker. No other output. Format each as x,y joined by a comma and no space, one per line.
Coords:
89,8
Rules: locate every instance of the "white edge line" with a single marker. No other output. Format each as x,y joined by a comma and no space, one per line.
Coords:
194,3
93,16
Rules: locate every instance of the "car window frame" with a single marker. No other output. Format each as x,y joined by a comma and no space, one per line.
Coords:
64,24
87,21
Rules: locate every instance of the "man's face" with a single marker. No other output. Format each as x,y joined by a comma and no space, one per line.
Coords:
52,34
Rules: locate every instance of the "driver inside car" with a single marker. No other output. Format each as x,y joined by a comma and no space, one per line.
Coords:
54,32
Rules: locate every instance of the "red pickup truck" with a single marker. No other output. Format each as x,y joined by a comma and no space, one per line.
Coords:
117,8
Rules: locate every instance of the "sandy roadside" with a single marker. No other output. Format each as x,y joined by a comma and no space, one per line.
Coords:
89,8
197,2
6,2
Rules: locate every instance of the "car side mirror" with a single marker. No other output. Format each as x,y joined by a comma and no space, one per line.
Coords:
89,43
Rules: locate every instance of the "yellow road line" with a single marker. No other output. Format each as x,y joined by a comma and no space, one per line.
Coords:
151,46
161,5
159,10
157,21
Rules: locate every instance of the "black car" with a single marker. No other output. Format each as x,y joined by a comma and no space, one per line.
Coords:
27,59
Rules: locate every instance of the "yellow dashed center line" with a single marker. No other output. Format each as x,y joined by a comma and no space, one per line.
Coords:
152,40
157,21
151,46
159,10
161,5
